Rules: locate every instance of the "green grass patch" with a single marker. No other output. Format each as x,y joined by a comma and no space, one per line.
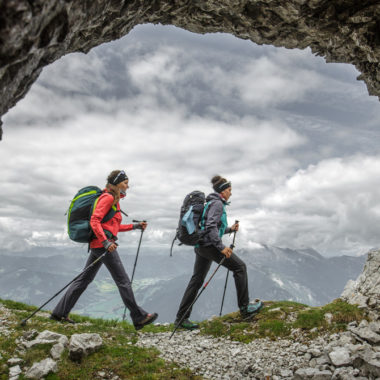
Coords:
37,353
273,329
13,305
343,312
310,319
278,319
119,356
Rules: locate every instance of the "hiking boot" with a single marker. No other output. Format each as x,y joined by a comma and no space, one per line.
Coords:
61,319
251,309
187,324
150,318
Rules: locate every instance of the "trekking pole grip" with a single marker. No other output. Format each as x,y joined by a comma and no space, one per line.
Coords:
232,246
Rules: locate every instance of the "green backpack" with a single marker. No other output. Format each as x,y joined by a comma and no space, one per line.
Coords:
79,214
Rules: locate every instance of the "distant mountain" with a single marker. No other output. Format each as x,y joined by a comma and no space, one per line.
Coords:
274,274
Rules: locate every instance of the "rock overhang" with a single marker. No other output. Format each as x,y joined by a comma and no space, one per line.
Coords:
34,34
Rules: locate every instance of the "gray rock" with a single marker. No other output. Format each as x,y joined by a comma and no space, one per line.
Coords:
324,359
375,327
47,337
14,371
41,369
57,350
14,361
30,334
83,344
345,373
371,368
365,291
312,373
340,357
286,373
328,318
366,334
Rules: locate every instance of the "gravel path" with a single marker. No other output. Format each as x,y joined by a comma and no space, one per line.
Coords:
219,358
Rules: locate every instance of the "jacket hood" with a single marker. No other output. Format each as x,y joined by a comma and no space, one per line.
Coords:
213,196
216,196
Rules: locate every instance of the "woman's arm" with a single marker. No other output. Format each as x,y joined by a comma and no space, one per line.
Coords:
103,206
214,214
126,227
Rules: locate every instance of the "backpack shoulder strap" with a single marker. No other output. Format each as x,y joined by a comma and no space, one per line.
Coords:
203,218
112,211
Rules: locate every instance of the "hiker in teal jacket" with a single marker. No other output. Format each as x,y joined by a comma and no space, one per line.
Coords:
212,249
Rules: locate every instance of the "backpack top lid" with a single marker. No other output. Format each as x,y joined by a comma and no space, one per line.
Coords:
188,230
190,215
195,197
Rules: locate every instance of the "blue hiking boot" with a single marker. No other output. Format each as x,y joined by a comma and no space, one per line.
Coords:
250,310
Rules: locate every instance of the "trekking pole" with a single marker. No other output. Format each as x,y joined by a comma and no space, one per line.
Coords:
137,255
204,287
23,322
232,246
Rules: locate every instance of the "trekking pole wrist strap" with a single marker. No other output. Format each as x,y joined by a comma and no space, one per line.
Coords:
107,244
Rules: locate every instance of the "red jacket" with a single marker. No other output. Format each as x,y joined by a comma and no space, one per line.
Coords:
113,225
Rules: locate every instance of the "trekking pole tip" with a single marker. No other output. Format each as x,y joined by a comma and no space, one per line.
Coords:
23,322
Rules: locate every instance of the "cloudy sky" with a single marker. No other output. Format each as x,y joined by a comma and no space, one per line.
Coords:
297,137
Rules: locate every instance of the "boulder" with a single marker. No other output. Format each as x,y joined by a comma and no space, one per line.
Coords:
47,337
365,291
83,344
41,369
340,357
365,333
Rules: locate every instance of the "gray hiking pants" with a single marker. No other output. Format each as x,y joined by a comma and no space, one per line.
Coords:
114,265
204,256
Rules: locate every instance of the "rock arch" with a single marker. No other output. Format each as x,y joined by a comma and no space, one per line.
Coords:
36,33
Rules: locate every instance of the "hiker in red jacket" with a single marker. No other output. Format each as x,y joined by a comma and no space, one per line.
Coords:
117,185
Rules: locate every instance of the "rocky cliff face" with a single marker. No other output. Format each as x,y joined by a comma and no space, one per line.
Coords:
36,33
365,291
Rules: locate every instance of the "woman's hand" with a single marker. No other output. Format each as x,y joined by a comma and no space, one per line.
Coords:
140,225
235,227
109,245
112,247
227,251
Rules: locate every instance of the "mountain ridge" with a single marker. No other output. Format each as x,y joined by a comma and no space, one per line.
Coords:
274,273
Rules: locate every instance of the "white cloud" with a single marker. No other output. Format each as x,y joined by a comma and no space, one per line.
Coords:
173,112
331,205
269,80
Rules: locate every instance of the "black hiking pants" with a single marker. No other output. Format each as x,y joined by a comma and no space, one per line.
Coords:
114,265
204,256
